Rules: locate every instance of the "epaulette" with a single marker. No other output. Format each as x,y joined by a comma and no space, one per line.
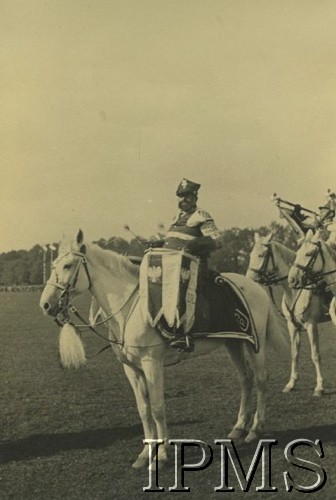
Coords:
204,214
198,217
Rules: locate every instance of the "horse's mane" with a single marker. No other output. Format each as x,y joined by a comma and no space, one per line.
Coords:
110,259
286,253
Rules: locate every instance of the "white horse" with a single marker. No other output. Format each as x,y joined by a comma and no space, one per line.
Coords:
315,264
114,282
270,263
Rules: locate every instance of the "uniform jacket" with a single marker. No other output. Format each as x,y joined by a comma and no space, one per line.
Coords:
188,226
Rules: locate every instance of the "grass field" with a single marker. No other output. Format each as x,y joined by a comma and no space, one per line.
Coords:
72,434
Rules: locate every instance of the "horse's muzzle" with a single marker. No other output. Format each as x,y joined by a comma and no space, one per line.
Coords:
46,307
49,309
291,281
294,282
253,275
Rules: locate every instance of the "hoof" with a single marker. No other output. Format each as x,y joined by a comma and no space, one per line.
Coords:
287,388
140,463
237,434
318,393
251,437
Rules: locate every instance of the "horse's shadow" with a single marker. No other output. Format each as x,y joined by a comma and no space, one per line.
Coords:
325,433
44,445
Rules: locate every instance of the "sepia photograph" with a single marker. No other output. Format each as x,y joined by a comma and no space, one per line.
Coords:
168,249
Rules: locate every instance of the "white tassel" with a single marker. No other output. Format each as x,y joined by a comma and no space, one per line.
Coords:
71,348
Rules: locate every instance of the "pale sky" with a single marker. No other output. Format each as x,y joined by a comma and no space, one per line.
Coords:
107,104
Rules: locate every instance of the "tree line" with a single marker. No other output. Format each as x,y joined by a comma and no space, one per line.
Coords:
29,267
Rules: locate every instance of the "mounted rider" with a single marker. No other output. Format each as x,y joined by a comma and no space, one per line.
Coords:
194,232
302,219
193,229
328,211
179,294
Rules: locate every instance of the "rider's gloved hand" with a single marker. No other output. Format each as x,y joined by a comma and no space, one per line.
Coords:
201,246
154,243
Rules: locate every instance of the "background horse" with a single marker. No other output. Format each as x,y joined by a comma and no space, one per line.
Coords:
114,282
315,264
270,262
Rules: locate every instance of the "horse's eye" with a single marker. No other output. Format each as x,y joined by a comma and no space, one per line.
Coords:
67,266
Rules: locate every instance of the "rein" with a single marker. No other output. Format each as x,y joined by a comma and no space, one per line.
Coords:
312,279
65,306
119,343
71,285
90,327
268,278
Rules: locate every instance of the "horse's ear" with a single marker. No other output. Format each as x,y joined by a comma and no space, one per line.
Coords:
80,238
256,237
268,238
316,236
309,235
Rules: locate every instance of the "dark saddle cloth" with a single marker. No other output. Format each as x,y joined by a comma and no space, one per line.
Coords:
220,312
327,297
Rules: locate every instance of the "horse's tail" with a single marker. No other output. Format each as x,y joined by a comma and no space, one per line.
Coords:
71,348
277,332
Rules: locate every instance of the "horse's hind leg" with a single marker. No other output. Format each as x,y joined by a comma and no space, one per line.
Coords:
138,383
294,335
313,336
260,375
245,375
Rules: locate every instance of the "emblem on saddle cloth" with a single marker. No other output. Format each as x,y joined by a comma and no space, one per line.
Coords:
168,280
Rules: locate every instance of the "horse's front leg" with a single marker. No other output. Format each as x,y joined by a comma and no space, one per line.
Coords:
294,335
138,383
313,336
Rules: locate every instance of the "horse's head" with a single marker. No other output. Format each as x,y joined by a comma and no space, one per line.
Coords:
309,262
261,265
69,277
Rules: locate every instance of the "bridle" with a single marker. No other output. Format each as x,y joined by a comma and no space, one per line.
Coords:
64,305
64,298
311,278
266,277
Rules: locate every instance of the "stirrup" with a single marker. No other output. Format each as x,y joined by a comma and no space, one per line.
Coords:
182,344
